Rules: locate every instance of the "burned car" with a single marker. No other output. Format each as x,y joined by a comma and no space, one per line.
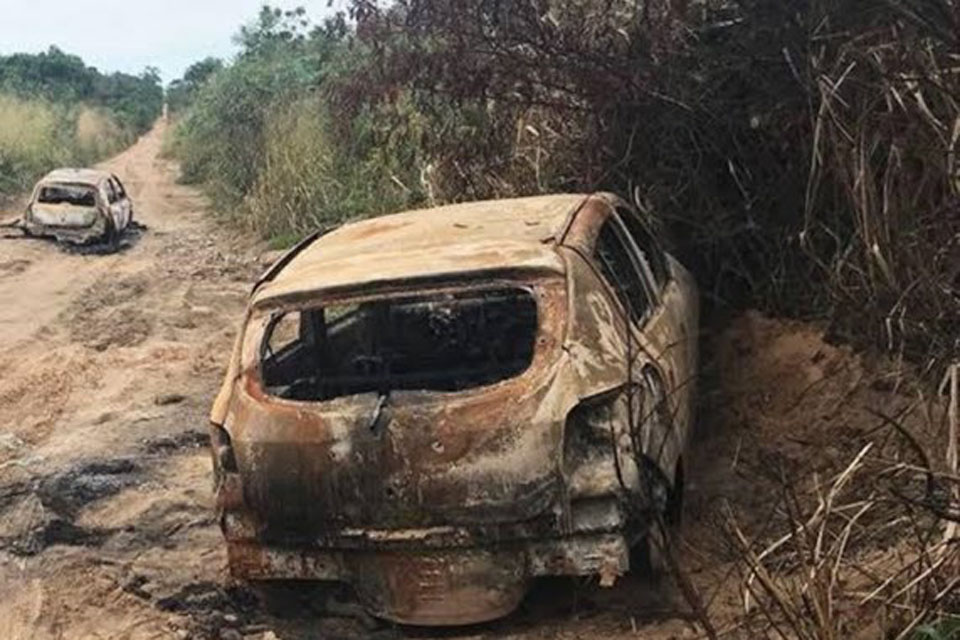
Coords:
78,206
438,406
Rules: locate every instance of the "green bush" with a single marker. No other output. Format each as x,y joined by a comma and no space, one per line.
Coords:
57,77
259,135
220,141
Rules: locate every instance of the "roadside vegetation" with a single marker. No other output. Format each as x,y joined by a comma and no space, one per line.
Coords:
56,111
802,156
260,133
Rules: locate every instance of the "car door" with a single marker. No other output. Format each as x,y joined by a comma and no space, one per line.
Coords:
125,207
653,368
112,203
672,327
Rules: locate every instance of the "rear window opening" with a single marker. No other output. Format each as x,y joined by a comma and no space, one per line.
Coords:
76,195
442,342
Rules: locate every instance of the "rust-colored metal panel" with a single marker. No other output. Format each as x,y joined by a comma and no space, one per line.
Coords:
440,505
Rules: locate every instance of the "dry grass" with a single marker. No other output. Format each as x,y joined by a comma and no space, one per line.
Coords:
98,135
298,182
28,142
882,211
36,136
873,549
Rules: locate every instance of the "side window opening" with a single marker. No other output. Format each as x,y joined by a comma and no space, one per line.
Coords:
650,248
620,270
284,335
119,185
442,342
112,196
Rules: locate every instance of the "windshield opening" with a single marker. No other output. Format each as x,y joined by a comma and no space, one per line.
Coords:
76,195
438,342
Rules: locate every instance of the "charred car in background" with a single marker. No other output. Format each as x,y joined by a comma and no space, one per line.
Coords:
78,206
437,406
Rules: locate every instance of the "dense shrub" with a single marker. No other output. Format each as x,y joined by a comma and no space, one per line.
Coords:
261,136
801,151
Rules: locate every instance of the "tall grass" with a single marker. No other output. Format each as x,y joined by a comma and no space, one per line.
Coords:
37,136
98,135
29,142
306,181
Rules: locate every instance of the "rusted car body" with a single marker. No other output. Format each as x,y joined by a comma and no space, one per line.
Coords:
78,206
438,406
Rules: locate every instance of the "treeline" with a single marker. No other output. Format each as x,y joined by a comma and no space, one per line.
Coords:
56,110
801,153
261,133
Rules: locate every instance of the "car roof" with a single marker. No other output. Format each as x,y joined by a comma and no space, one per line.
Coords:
92,177
493,235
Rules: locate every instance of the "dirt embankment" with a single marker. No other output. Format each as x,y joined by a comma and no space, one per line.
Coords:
108,367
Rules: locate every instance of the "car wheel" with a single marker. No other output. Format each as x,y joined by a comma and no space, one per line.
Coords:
288,598
650,555
112,237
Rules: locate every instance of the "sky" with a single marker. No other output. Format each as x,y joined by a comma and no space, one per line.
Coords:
129,35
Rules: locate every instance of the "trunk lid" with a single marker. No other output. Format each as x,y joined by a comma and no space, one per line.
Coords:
434,409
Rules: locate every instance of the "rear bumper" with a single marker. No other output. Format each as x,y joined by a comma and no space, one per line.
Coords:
71,234
580,555
439,576
443,586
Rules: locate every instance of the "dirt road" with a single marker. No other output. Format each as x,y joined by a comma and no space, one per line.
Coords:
108,364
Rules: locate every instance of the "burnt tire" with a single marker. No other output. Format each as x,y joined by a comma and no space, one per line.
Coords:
299,598
280,599
111,239
650,555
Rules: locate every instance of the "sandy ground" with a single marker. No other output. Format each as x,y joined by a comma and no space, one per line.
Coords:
108,364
